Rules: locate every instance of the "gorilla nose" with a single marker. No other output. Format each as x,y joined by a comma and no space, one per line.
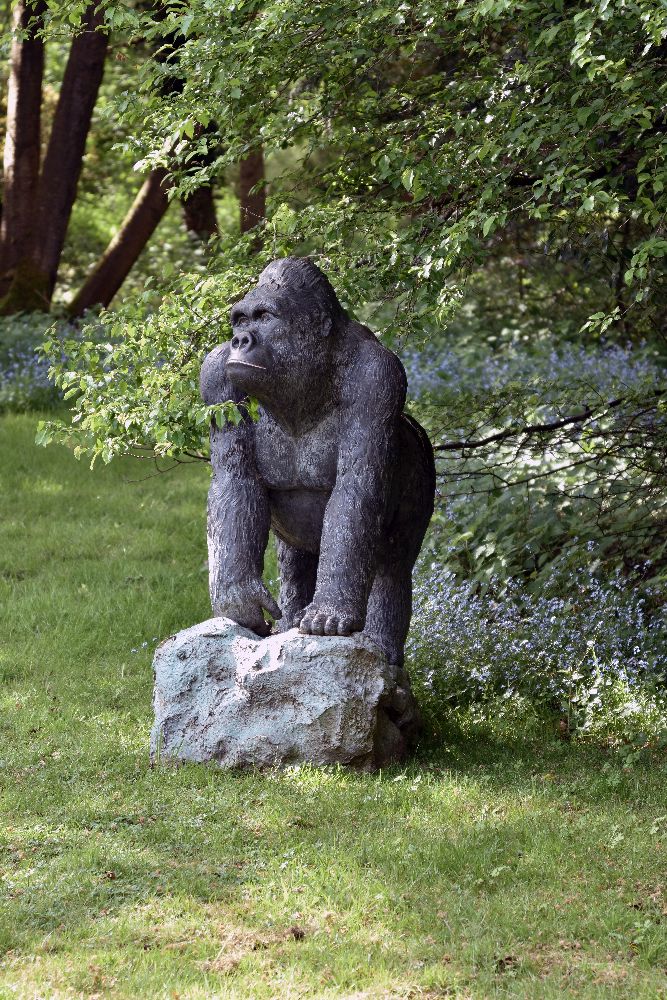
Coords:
242,341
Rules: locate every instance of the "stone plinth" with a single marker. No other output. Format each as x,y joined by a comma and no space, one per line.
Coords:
222,694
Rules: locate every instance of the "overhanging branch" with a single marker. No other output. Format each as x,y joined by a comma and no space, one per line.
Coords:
532,430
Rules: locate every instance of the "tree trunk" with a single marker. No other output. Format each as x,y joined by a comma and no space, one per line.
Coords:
137,228
199,213
22,139
67,142
253,206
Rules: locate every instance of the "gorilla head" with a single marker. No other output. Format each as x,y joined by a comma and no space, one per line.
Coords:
284,331
314,301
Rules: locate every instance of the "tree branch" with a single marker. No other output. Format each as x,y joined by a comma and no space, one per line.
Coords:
531,430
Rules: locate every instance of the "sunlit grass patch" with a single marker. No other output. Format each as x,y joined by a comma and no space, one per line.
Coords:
498,864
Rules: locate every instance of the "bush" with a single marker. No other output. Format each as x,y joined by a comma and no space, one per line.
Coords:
509,509
583,651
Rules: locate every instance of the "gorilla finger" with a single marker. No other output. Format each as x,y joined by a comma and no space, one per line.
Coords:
271,606
345,625
331,625
260,627
306,625
319,621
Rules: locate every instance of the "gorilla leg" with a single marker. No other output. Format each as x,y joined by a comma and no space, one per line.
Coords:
387,623
389,610
298,572
390,602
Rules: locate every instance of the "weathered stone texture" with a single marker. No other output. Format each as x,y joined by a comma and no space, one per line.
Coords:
221,694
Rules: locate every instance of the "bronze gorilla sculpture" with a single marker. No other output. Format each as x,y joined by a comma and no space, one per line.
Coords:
343,477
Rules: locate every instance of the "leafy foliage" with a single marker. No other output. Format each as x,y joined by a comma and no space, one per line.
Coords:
429,130
429,145
133,376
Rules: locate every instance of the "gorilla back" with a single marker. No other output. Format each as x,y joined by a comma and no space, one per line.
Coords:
344,477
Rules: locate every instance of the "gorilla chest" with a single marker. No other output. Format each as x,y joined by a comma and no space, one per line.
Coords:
305,462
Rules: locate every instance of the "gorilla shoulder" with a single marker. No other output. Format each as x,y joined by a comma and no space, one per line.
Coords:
375,375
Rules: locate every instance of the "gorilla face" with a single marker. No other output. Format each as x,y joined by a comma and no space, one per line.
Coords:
256,329
277,347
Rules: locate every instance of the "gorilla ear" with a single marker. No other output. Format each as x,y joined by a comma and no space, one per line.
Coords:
322,322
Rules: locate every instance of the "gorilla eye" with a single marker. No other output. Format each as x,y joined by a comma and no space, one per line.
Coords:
264,315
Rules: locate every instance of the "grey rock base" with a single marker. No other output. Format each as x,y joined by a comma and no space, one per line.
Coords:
221,694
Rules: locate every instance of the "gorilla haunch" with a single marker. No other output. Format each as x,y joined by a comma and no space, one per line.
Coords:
343,477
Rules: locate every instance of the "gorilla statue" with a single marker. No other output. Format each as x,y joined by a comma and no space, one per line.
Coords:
344,478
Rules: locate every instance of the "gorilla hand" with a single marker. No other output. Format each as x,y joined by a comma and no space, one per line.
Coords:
322,618
244,603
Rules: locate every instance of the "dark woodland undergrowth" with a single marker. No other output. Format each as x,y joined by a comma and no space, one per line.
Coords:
502,862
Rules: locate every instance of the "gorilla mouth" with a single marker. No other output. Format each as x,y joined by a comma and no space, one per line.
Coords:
246,364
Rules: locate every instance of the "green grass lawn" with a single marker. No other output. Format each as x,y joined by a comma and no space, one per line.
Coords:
508,865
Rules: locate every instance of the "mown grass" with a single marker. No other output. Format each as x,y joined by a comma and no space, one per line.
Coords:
502,864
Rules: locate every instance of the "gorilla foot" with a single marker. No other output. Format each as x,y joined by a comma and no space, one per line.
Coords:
326,620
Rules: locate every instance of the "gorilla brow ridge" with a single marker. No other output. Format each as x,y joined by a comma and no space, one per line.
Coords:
243,311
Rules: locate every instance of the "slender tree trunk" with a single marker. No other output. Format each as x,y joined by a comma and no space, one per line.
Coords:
619,285
253,206
199,207
22,139
67,142
137,228
199,213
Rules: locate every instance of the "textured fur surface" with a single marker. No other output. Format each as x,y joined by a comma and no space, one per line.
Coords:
343,477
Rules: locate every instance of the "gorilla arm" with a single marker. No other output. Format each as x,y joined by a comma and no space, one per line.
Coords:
238,511
356,514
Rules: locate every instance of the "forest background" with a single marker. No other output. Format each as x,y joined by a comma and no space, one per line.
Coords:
484,183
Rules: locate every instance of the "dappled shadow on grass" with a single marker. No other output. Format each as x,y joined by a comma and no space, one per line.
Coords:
444,855
519,748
